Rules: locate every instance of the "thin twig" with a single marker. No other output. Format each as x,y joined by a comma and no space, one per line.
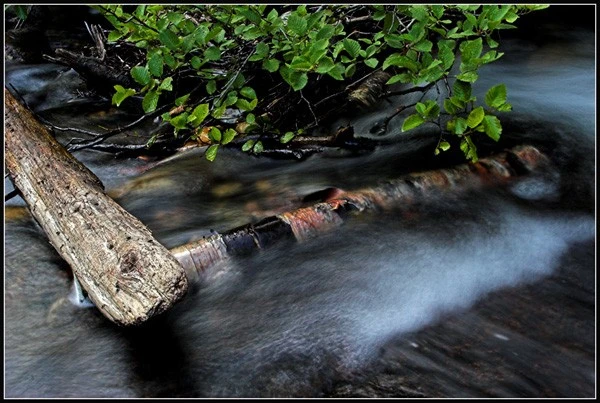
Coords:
408,91
230,82
447,86
310,108
400,109
11,194
356,19
126,21
101,137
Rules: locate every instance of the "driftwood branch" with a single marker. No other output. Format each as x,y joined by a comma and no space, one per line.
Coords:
128,275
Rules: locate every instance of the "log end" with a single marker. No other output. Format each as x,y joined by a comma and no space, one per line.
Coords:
138,290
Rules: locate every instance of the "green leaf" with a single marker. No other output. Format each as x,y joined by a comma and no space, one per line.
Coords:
231,99
296,24
166,84
471,49
212,53
198,115
121,94
141,75
428,110
228,136
475,117
116,35
150,101
169,39
325,32
271,65
174,17
286,138
468,148
350,70
297,80
325,65
200,35
438,11
496,96
423,46
446,55
412,121
248,92
196,62
417,32
272,16
214,134
462,90
20,10
321,44
155,65
211,87
245,105
469,77
300,63
248,145
258,147
262,51
450,107
460,126
250,118
432,110
491,43
399,60
180,121
218,112
492,126
444,145
181,100
352,47
372,63
337,71
262,48
370,51
403,78
211,152
170,61
315,55
419,12
250,14
505,107
511,17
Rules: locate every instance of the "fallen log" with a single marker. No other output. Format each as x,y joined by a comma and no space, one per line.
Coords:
128,275
199,258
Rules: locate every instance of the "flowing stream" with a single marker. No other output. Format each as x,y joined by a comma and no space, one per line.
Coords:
487,293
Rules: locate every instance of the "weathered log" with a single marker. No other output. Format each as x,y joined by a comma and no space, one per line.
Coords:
199,258
127,274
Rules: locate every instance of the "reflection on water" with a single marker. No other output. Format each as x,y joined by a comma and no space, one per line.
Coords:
488,293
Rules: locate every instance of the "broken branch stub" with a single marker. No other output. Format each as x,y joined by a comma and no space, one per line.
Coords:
127,273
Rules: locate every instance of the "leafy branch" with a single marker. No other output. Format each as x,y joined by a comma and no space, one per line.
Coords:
240,56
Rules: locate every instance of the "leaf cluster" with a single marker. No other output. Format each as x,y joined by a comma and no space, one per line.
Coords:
226,48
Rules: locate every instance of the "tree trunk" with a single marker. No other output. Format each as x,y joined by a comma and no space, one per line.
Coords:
201,258
125,271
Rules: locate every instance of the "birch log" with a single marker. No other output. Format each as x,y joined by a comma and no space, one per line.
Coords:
127,274
200,258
